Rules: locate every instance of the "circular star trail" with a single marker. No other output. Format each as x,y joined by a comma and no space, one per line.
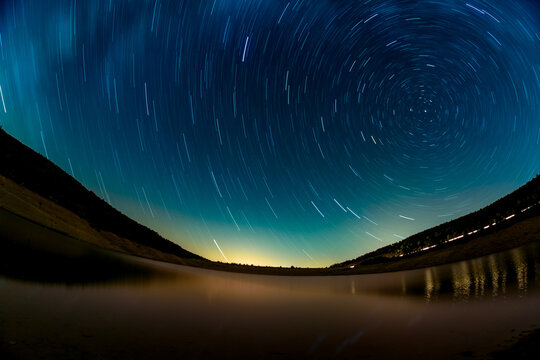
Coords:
279,132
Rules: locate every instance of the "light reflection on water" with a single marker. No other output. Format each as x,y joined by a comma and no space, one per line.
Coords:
433,285
520,268
512,272
494,275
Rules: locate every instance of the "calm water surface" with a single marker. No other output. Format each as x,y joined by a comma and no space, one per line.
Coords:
466,309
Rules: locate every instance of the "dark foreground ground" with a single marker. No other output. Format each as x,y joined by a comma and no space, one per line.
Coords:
527,346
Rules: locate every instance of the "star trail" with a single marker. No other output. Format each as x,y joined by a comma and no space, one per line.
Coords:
279,132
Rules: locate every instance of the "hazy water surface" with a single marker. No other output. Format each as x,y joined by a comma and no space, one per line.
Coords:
471,308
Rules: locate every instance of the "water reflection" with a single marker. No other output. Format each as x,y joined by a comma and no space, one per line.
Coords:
479,278
427,313
74,264
461,280
511,272
433,284
492,263
520,267
494,275
497,275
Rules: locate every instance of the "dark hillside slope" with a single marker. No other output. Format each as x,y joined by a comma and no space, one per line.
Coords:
31,170
523,203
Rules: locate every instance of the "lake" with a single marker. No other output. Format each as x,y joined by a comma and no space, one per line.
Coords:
148,309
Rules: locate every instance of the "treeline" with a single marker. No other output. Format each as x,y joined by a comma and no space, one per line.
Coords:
28,168
512,204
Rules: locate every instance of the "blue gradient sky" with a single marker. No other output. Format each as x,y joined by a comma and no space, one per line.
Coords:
290,132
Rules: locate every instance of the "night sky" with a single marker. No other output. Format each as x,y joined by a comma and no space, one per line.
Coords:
281,132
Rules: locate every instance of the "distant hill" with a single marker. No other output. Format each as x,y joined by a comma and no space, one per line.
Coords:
516,207
31,170
38,191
